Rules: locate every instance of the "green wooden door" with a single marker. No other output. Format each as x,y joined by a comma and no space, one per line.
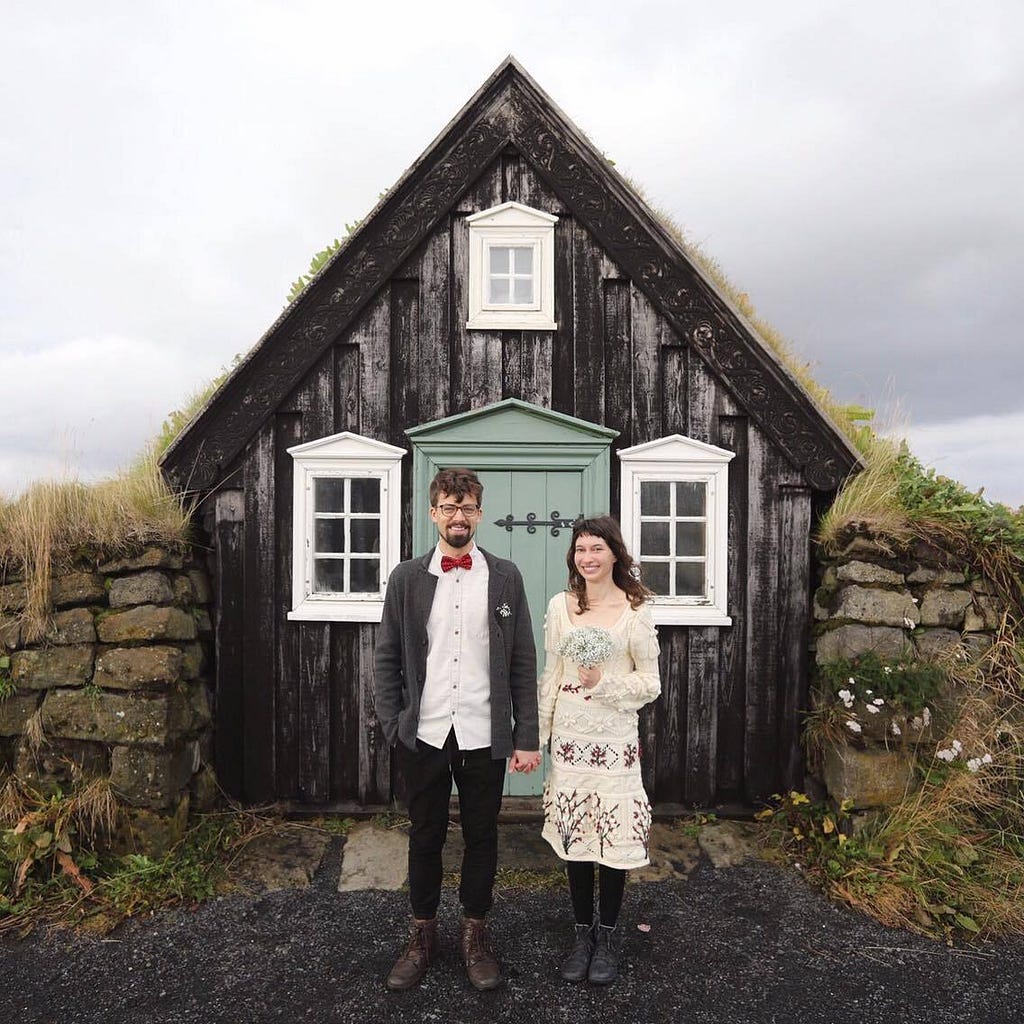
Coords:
522,512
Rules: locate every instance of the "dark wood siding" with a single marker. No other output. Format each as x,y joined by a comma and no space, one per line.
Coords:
295,706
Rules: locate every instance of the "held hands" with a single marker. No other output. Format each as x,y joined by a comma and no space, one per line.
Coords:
589,677
524,761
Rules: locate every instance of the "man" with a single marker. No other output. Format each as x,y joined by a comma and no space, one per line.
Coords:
454,661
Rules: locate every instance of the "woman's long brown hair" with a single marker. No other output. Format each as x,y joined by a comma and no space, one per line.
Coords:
625,572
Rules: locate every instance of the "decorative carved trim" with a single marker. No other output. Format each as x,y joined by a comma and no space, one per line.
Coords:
509,109
697,313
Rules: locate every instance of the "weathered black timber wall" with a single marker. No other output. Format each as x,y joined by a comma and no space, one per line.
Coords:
295,716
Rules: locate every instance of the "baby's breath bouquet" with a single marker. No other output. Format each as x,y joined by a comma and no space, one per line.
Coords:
586,646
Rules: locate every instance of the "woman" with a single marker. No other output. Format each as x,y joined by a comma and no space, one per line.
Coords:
596,812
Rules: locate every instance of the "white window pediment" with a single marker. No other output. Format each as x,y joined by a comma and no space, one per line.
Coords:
674,502
511,269
345,527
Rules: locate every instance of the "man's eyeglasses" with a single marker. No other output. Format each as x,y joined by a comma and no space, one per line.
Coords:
448,511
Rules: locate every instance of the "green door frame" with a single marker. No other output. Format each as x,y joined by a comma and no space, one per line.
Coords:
482,439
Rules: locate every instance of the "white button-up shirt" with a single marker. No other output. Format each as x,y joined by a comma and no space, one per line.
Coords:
457,688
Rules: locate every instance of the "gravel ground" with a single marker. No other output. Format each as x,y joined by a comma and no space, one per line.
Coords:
746,944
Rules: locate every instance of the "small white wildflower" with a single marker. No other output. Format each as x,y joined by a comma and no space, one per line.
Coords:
878,702
852,681
852,725
896,731
973,764
869,692
914,599
916,722
926,716
957,746
872,708
987,759
908,622
945,755
887,670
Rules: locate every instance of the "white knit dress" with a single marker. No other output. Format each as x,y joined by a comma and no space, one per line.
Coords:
595,807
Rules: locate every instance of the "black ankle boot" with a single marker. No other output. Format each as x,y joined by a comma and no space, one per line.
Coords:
604,964
577,963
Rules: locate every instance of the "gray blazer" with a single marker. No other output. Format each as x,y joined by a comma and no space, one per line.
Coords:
400,657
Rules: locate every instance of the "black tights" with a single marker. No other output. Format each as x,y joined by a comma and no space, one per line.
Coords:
581,889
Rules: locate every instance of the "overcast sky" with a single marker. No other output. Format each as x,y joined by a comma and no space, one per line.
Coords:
168,169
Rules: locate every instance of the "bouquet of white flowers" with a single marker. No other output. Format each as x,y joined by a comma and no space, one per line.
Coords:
586,646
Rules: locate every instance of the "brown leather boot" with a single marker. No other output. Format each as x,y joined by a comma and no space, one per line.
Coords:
481,964
420,952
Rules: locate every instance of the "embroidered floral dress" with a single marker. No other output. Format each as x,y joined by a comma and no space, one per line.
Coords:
595,807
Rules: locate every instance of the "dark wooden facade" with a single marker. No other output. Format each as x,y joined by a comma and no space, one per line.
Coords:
378,345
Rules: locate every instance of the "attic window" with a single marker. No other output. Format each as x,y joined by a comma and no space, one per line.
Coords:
345,527
674,501
511,269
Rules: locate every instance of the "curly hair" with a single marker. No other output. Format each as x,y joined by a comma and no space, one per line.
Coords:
625,572
457,483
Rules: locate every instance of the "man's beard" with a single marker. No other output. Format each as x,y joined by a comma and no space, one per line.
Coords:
457,540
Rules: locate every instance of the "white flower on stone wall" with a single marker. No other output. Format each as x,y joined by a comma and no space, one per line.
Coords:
926,716
846,697
908,622
853,726
945,755
896,731
878,702
872,708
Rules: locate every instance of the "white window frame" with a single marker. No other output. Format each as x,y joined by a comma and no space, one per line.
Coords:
673,459
349,456
511,224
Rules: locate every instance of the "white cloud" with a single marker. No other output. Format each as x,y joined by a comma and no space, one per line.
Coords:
88,405
979,451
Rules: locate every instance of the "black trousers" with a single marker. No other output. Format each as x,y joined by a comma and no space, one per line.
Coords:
428,788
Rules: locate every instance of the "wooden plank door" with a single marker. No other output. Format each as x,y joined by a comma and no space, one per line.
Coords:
525,512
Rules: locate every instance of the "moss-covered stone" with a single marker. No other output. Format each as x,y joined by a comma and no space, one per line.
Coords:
15,712
145,777
154,720
48,667
77,588
146,622
59,764
945,608
853,640
10,632
151,558
134,668
872,777
13,597
201,590
143,830
141,588
194,660
868,572
877,606
75,626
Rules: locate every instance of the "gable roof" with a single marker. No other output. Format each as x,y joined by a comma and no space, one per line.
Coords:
511,109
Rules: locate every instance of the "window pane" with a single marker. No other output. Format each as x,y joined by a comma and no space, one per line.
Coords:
365,577
689,538
365,534
499,259
330,536
690,579
329,576
655,575
499,289
654,497
523,260
522,290
365,495
690,498
329,494
653,539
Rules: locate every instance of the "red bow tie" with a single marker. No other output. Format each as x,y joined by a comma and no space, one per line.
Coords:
448,563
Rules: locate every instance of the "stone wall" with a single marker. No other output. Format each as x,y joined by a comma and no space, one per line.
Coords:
116,687
918,604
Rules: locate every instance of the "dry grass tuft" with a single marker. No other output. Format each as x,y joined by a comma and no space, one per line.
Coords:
34,734
54,523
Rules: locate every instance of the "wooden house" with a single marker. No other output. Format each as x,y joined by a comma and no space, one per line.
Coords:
511,305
